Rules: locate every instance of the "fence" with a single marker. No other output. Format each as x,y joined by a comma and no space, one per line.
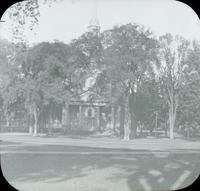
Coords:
14,126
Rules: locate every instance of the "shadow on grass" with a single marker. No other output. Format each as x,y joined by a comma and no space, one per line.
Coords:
8,143
152,171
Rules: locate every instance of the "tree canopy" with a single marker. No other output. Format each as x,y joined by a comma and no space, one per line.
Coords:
148,79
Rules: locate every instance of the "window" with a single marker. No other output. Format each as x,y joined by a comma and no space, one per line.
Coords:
90,112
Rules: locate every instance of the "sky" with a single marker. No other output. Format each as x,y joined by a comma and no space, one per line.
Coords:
68,19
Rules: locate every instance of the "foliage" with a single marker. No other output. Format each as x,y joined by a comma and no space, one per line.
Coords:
23,17
173,54
190,97
147,77
8,75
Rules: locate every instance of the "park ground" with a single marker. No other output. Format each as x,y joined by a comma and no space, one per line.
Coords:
98,163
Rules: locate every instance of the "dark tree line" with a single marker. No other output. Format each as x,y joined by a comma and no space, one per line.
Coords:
144,78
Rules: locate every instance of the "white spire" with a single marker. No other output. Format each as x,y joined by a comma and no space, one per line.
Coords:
94,21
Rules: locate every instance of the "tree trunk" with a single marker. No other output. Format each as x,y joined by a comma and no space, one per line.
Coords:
127,120
7,120
133,124
30,130
133,128
30,124
35,121
99,118
172,118
122,118
127,125
6,114
130,121
113,117
63,120
171,125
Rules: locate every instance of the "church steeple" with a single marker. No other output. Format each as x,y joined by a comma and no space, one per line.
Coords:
94,25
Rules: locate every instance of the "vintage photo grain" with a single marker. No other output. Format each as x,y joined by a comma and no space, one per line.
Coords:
100,95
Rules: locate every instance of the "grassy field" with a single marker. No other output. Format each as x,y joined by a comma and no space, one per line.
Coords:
90,164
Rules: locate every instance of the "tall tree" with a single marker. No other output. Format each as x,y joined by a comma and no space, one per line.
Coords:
173,54
189,99
8,75
129,56
50,73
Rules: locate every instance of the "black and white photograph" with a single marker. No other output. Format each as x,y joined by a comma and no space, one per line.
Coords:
100,95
